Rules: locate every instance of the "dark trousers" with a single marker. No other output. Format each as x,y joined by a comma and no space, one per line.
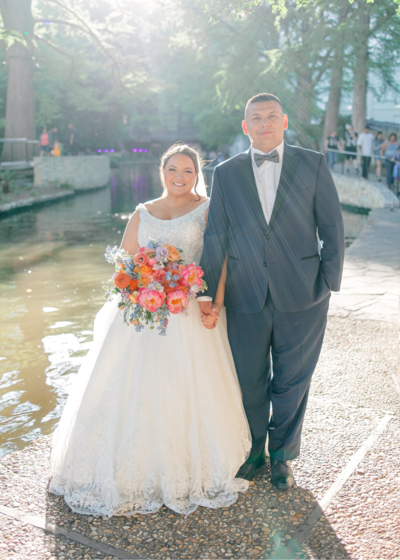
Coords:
366,161
293,341
389,172
73,149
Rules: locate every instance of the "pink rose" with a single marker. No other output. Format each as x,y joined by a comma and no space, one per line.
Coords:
150,299
158,275
191,275
177,301
152,262
140,258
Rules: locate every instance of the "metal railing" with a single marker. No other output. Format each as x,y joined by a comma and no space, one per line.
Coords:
19,142
356,154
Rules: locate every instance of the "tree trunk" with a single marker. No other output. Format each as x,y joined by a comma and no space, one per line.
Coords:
303,108
20,104
335,91
361,67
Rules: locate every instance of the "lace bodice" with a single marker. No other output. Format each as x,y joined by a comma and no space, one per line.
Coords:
185,232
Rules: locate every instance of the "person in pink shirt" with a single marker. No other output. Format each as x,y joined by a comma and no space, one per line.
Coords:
44,143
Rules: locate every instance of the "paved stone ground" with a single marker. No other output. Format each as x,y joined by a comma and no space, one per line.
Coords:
353,390
371,280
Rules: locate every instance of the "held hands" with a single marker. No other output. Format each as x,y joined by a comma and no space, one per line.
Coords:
209,314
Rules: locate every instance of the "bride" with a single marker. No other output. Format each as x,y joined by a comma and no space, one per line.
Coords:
154,420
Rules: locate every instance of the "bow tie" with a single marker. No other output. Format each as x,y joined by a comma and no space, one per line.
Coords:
259,159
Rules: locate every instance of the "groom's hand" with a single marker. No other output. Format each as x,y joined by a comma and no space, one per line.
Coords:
209,314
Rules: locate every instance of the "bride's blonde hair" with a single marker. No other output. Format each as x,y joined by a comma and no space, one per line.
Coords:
197,160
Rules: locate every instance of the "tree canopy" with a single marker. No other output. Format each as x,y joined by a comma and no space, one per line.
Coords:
126,69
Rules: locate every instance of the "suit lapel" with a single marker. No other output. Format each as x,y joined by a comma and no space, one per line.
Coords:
246,174
289,167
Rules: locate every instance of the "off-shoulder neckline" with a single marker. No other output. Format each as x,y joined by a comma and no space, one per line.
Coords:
140,206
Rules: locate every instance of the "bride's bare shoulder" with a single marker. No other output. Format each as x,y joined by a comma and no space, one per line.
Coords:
156,203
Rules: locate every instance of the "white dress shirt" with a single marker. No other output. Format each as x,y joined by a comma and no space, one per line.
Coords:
267,180
366,142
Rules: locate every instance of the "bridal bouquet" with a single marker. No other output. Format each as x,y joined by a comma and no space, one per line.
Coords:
152,284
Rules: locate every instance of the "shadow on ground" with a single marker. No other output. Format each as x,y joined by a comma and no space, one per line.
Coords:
262,524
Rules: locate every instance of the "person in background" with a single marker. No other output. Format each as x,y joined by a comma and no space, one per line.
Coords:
365,142
72,144
389,152
53,136
396,173
350,145
379,140
44,143
332,143
56,149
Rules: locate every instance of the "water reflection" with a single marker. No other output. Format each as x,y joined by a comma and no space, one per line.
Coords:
52,269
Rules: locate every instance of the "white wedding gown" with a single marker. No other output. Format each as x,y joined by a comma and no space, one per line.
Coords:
152,419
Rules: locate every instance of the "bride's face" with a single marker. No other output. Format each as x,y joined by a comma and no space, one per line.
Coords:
179,175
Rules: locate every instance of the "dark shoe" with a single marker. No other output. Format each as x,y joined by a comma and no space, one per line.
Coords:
281,474
248,470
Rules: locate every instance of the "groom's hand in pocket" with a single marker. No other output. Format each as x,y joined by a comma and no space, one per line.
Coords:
209,314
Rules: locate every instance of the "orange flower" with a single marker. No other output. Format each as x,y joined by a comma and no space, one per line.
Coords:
122,280
133,297
173,253
146,280
145,270
168,289
133,285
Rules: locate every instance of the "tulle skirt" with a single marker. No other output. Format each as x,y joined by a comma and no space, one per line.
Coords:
152,420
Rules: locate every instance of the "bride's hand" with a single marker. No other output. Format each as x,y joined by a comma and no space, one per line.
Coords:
210,319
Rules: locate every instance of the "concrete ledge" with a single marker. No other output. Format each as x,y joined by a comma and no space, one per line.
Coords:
82,172
364,194
28,203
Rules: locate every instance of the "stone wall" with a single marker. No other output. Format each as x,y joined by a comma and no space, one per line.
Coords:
81,172
364,194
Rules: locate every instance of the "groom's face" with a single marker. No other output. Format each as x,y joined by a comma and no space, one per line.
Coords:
264,124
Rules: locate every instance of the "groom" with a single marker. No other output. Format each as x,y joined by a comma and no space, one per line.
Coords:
269,208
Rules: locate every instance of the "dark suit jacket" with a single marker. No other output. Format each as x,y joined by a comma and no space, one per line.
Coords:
284,255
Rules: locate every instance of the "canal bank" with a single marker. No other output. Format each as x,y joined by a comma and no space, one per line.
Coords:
55,179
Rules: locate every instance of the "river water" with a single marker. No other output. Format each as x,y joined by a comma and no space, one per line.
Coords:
52,270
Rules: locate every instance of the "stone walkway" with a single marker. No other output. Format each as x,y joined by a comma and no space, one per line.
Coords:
371,280
346,502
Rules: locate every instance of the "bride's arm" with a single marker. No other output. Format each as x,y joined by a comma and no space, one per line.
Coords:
219,296
130,241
